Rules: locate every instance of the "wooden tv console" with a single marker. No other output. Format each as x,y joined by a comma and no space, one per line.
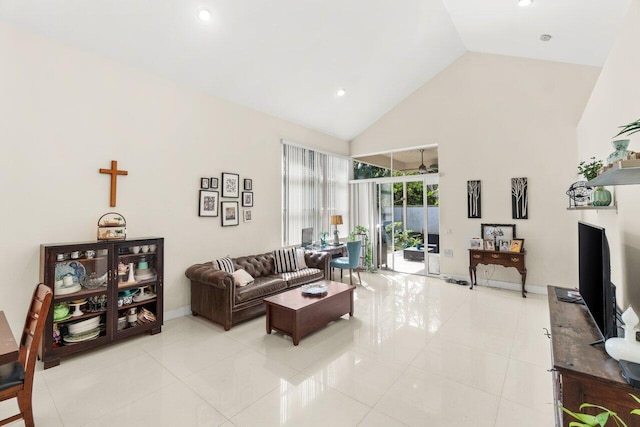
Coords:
582,372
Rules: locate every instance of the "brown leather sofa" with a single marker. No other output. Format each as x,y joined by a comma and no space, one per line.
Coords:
215,296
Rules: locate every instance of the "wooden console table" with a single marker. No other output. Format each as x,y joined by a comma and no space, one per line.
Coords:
505,259
583,372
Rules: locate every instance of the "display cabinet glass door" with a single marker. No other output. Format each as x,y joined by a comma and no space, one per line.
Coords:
80,276
138,282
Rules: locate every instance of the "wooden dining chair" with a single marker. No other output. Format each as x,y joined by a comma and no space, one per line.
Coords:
18,382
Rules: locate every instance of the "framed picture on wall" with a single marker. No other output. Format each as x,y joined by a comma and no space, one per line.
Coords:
204,183
474,199
213,183
230,214
519,198
247,215
208,203
230,184
247,199
248,184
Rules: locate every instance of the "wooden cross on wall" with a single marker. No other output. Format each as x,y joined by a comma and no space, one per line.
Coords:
114,172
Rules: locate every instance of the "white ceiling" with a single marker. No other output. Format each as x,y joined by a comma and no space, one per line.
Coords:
287,58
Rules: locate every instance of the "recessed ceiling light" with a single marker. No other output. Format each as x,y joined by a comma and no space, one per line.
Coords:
524,3
341,92
545,37
204,15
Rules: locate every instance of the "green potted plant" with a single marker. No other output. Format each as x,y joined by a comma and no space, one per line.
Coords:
601,419
590,170
629,129
599,196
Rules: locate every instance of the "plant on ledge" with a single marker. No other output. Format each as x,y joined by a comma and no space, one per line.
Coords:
590,170
629,129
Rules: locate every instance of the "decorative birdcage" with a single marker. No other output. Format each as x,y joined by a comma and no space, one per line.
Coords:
112,226
579,194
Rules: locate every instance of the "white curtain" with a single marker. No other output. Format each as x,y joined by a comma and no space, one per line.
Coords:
314,187
363,212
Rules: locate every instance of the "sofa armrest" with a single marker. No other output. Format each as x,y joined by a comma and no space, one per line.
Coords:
319,260
206,274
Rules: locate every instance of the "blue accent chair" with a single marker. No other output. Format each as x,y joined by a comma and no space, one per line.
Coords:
350,262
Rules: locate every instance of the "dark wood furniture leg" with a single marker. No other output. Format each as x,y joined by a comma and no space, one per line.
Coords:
524,279
472,276
268,312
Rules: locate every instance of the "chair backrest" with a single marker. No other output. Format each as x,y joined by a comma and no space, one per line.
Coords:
33,330
354,253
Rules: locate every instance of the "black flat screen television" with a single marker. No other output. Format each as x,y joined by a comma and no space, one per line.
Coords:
596,289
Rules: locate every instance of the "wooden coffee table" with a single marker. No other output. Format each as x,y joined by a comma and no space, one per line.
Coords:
297,315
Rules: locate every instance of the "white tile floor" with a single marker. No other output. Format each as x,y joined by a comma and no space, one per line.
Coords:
418,352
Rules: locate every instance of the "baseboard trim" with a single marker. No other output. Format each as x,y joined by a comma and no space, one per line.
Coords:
178,312
534,289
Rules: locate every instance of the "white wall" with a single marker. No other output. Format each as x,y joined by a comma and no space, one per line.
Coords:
615,101
495,118
65,113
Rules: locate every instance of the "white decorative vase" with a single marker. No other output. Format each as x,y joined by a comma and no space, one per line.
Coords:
131,277
626,348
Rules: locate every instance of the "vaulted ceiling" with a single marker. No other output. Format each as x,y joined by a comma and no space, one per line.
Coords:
288,58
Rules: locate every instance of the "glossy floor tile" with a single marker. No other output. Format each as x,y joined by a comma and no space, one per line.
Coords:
418,352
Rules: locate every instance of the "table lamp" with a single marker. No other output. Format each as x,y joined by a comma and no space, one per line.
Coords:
336,220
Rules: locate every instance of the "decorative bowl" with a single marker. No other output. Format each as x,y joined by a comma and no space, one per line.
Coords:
93,281
314,289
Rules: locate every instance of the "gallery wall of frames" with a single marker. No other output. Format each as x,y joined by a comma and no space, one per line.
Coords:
217,198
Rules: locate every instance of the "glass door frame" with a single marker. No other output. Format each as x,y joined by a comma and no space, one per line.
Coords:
427,180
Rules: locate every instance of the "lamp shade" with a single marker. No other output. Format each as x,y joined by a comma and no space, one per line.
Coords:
335,220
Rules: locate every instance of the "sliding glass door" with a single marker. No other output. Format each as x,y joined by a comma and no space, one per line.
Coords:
408,228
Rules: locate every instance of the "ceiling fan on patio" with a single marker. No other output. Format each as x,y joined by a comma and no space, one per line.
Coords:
422,169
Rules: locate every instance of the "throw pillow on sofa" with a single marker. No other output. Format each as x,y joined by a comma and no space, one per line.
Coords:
286,260
242,278
224,264
300,256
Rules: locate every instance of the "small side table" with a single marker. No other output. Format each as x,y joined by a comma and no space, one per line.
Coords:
505,259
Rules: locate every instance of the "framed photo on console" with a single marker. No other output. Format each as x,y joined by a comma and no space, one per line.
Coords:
517,245
505,245
475,243
230,185
489,245
230,214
